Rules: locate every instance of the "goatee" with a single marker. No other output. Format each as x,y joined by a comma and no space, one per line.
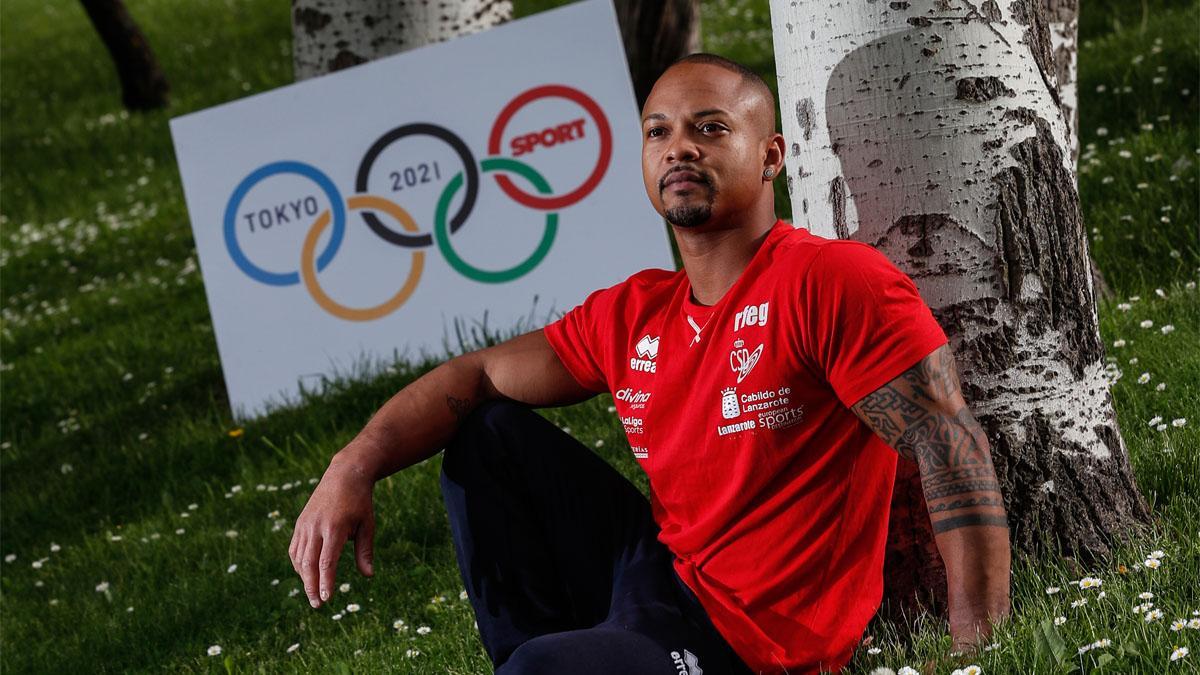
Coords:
692,215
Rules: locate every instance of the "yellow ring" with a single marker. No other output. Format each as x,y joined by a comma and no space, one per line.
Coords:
308,270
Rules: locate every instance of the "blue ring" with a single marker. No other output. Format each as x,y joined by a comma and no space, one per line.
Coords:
308,171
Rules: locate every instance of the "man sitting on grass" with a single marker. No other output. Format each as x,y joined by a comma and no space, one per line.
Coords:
760,389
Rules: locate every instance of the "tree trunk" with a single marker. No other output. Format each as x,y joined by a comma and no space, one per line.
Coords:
656,34
933,130
1062,17
329,35
143,85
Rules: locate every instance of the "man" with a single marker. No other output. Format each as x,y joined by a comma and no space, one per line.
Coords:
759,388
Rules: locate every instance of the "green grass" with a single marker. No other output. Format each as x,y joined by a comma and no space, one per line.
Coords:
115,421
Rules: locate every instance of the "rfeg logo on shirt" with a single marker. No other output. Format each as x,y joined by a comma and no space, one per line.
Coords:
244,220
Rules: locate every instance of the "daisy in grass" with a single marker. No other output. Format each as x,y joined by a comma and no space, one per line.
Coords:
1060,620
1178,625
1152,563
293,647
411,653
352,607
1052,590
424,630
214,650
1179,653
908,670
1090,582
1153,615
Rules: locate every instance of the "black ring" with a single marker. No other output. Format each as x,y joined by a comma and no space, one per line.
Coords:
471,175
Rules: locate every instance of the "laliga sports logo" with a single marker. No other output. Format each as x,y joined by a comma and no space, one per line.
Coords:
444,224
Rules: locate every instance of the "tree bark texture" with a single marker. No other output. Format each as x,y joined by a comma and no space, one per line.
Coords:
1062,16
934,131
329,35
656,33
143,85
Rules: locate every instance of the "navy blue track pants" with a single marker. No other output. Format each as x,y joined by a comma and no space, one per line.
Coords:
560,558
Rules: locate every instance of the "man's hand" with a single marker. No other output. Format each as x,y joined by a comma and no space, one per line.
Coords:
340,508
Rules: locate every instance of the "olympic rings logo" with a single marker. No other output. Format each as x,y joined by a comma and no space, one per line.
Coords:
445,224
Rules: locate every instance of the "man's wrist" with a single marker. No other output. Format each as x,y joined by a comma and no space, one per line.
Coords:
362,456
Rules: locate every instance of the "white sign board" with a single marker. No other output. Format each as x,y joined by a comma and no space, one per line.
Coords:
345,219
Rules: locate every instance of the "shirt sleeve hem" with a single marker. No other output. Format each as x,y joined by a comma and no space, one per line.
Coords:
557,343
915,351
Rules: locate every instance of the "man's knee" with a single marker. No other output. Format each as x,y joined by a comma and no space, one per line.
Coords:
482,432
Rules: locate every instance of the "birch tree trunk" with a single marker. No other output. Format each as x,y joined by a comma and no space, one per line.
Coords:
329,35
934,131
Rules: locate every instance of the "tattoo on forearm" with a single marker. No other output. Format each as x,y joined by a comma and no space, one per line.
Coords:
459,407
947,524
911,414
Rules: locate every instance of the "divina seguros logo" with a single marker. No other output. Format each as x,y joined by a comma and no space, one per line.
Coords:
444,224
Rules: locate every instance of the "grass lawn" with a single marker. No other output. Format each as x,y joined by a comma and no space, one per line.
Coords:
139,526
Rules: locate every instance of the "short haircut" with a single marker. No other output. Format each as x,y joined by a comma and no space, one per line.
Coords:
749,77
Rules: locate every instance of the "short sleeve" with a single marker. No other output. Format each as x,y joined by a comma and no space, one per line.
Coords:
578,343
864,321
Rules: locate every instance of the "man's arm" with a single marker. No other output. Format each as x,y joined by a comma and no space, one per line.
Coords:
413,426
923,416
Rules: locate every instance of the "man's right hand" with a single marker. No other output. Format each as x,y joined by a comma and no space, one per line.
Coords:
426,415
339,509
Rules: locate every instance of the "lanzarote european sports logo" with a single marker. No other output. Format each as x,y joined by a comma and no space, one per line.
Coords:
383,213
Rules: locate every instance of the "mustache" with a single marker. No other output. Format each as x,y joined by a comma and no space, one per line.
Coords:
704,178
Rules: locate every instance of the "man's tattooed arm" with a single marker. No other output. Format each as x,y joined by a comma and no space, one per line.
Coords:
923,416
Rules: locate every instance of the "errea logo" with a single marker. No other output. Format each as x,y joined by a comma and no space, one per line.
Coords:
647,351
687,663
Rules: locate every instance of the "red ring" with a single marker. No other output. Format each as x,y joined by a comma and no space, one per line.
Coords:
562,91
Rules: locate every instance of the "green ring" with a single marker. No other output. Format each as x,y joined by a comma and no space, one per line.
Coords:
468,270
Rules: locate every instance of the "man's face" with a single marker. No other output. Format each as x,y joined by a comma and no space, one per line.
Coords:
703,145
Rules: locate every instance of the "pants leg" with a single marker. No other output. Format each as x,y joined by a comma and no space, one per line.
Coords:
559,554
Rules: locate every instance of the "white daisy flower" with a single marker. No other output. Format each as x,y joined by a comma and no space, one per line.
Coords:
408,654
337,617
344,588
102,587
399,624
292,648
1153,615
1143,378
1179,653
193,507
1194,624
232,569
1179,422
874,650
1051,590
1178,625
462,595
424,630
353,607
1060,620
1156,555
180,531
1090,582
908,670
1079,603
1146,595
232,534
1160,386
11,557
1167,329
214,650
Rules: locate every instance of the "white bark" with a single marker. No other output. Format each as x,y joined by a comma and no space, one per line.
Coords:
1063,19
330,35
932,130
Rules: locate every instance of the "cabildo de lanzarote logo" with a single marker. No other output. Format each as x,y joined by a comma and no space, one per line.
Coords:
242,220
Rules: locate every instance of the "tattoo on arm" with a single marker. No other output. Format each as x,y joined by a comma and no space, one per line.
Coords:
459,407
912,414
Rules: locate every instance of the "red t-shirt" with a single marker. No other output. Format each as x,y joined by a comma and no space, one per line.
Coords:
773,496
